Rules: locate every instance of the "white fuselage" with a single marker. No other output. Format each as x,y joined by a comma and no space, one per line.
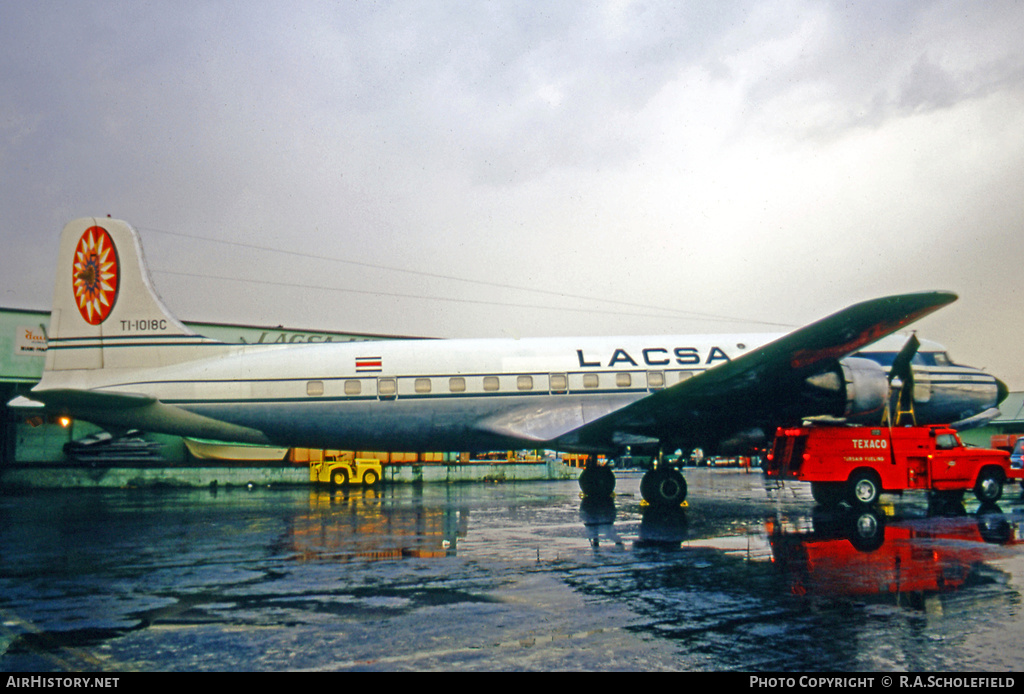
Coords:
419,394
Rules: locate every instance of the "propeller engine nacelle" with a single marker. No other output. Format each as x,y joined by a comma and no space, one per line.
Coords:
866,385
858,389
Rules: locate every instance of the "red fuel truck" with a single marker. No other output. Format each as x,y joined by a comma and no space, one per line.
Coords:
857,464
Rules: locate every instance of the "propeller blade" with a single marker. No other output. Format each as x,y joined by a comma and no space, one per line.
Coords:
901,365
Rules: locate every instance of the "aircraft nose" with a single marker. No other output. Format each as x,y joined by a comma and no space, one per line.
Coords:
1002,391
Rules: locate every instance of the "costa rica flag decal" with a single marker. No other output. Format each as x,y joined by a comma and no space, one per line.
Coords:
369,364
95,275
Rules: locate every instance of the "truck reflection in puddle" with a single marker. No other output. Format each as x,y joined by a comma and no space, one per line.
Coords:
865,552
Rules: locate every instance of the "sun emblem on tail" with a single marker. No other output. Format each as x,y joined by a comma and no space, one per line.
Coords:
96,275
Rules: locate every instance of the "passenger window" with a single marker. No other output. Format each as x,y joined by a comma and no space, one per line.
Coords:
353,387
491,383
457,384
386,387
558,382
422,385
679,376
524,383
591,381
315,388
623,380
655,379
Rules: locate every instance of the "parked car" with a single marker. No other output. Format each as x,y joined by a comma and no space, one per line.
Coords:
1017,455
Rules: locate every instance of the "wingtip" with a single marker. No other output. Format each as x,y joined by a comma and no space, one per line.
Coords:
928,300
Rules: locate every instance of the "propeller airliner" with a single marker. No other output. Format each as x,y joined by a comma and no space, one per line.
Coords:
117,357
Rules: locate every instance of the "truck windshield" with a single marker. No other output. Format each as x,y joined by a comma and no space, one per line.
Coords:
945,441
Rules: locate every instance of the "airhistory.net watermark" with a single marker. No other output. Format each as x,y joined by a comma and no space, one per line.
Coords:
61,682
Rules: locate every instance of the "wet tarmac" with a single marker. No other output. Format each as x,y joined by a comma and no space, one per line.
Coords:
506,577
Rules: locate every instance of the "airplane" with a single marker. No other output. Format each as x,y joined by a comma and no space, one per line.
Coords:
117,357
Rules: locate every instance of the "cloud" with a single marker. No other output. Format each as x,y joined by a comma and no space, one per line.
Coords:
768,160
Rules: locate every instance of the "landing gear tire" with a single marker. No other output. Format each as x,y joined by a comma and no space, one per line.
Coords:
597,481
663,487
863,488
989,487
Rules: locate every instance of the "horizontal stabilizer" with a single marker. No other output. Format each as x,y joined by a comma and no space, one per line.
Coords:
88,399
122,411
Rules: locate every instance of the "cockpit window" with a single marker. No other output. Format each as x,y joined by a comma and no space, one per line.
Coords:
921,358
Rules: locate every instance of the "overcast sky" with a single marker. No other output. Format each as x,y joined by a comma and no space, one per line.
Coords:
476,169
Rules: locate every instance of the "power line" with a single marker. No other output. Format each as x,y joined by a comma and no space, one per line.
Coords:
320,287
678,313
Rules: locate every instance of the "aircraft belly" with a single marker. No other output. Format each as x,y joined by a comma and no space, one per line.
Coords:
446,425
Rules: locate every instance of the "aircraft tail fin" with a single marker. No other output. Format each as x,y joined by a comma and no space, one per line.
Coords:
106,313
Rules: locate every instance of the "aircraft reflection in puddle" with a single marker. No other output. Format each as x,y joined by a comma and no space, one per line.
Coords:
366,525
826,554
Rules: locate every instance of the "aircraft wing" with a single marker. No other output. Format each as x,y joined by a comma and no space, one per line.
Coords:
758,387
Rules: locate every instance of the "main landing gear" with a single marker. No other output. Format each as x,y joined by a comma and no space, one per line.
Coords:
662,486
597,481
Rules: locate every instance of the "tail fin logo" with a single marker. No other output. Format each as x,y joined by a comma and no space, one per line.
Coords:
96,275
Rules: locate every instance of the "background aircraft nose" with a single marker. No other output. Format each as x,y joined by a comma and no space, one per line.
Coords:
1002,391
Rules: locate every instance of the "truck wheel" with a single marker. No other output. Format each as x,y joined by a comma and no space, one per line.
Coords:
989,487
339,478
864,487
867,530
827,494
664,486
370,478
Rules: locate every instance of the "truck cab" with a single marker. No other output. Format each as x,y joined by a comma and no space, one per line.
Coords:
857,464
